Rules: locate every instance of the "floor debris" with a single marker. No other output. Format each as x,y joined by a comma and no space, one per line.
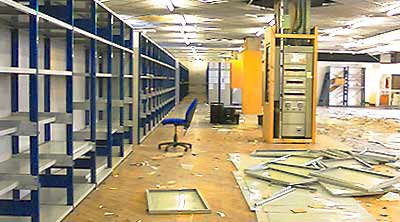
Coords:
333,174
109,214
298,211
174,155
221,214
187,166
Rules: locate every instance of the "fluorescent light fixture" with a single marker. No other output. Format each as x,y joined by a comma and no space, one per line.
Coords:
338,51
251,15
170,6
186,39
325,38
260,32
388,37
183,20
179,28
363,22
391,8
272,22
266,19
213,1
393,12
338,31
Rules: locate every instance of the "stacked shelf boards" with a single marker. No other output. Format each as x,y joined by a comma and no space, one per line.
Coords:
183,82
157,85
66,80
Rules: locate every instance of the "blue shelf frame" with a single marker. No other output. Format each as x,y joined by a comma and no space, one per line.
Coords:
62,17
183,82
157,84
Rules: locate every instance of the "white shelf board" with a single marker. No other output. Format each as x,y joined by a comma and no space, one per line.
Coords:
60,148
104,75
58,196
128,123
101,131
145,77
7,186
48,213
44,118
101,170
8,130
17,70
156,61
29,71
117,160
54,72
103,175
81,191
128,100
101,104
21,166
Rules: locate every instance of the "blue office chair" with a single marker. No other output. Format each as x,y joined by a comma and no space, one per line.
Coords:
180,122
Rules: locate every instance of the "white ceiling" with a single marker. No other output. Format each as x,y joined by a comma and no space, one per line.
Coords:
217,27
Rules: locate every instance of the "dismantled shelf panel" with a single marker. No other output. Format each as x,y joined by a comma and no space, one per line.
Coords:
316,207
358,179
281,177
244,161
177,201
253,189
277,153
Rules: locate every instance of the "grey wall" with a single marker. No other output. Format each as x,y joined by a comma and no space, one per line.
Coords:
197,79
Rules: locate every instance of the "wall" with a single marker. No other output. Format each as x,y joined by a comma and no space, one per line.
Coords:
197,79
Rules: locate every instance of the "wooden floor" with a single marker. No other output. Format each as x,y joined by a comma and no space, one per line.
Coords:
122,196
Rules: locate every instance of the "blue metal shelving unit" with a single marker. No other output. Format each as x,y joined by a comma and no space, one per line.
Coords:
346,86
157,85
64,165
183,82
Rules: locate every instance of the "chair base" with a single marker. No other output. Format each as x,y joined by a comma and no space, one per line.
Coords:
168,145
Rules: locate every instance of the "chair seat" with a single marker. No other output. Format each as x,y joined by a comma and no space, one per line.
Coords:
174,121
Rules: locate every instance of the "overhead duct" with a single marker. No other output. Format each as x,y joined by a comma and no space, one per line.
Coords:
293,16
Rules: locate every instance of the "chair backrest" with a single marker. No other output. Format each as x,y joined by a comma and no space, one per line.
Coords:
190,113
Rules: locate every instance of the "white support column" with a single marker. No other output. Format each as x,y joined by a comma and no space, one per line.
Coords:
136,82
177,82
